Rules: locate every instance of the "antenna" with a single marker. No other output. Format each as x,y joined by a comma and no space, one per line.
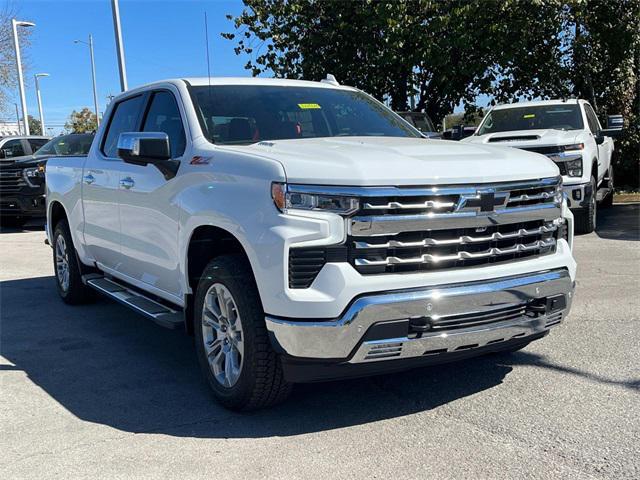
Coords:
206,37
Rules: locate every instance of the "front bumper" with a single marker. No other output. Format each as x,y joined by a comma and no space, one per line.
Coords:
578,195
448,318
23,205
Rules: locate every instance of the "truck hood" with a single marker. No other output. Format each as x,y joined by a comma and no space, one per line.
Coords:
362,161
527,138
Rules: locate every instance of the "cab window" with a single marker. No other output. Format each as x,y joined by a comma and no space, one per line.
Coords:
164,116
12,148
123,119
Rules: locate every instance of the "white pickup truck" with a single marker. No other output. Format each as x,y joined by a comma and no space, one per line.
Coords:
569,133
302,231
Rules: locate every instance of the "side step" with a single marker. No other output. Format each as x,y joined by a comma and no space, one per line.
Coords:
161,314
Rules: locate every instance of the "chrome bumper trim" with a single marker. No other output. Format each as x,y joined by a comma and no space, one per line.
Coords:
339,338
394,224
585,194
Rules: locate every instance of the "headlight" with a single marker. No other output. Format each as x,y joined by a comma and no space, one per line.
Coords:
34,175
284,200
574,167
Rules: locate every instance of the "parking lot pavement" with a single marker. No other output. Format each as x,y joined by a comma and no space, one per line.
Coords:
98,392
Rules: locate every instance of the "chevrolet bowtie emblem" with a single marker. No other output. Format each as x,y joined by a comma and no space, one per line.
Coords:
484,201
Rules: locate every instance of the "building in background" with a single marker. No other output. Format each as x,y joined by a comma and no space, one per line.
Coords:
9,128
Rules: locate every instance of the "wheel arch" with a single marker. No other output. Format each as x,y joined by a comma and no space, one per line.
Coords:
207,242
56,213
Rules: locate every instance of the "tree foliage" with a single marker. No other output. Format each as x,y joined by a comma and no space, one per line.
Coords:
35,127
8,71
446,54
84,121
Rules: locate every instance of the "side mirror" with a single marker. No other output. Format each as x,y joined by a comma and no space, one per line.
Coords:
614,122
3,154
614,127
142,148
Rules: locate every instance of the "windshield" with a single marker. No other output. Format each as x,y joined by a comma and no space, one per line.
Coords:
558,117
419,120
67,145
244,114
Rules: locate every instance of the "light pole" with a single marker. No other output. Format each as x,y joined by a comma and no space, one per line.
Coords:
18,118
93,76
23,100
37,76
115,9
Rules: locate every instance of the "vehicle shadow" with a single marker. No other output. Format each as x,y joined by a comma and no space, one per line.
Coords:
31,226
619,222
107,365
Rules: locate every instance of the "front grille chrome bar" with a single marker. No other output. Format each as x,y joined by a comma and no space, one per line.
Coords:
429,258
398,205
465,239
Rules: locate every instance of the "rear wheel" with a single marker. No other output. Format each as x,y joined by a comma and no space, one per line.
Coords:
67,269
586,218
232,345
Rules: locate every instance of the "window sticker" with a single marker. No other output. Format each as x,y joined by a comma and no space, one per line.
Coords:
309,106
529,115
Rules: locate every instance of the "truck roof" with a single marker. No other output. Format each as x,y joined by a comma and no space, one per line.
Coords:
569,101
215,81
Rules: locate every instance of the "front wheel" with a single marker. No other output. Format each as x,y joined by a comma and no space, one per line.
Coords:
232,345
585,219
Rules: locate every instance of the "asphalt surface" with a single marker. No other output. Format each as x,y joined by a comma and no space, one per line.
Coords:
98,392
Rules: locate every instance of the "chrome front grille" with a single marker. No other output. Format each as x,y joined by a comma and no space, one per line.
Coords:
414,229
400,230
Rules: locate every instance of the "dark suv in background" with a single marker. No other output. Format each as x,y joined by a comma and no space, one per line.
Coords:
22,190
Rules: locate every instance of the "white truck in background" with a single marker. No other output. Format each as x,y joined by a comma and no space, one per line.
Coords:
302,231
570,134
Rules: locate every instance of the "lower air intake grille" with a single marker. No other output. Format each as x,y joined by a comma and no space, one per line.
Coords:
306,263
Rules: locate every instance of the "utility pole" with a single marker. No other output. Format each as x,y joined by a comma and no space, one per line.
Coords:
39,96
18,118
16,44
119,45
93,77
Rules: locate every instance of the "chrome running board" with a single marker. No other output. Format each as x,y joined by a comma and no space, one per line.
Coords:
153,310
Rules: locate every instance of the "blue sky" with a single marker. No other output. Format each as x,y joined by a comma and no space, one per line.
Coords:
162,39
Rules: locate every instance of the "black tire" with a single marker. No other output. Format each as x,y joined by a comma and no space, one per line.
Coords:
607,202
73,291
586,218
261,382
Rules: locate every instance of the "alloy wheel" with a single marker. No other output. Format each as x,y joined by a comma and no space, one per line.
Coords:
62,263
222,335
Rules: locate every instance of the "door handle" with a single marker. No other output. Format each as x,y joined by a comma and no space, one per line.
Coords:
127,183
89,179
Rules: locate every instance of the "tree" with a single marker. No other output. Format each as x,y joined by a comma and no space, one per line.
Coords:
35,127
446,54
8,72
83,121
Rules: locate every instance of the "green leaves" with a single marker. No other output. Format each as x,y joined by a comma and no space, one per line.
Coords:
449,53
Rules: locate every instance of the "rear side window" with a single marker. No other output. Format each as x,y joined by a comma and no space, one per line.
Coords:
12,148
36,143
124,119
164,116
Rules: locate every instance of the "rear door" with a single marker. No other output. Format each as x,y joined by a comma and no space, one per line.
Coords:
149,215
101,185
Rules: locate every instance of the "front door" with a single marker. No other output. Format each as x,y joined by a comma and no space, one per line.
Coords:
101,186
149,217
